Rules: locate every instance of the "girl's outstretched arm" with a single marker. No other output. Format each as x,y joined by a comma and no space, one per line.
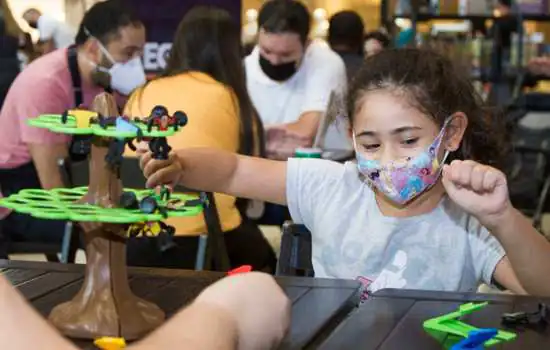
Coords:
219,171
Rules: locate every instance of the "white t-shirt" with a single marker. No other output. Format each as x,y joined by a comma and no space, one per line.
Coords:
321,72
50,28
444,250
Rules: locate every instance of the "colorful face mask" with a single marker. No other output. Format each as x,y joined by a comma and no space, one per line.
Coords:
403,180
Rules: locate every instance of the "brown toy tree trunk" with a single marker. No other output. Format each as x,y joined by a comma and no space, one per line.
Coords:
105,305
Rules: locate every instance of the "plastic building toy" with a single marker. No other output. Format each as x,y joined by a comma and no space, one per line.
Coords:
537,320
82,117
117,146
159,229
162,120
105,285
476,339
160,148
110,343
449,330
157,201
239,270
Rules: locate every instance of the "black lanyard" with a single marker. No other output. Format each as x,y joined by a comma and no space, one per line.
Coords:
72,60
75,75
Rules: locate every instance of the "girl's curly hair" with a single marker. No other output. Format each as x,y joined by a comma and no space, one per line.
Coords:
433,85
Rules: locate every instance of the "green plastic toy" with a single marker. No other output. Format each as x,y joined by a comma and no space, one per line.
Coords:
59,204
74,126
449,330
105,285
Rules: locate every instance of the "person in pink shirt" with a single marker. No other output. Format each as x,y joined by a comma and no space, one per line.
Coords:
106,56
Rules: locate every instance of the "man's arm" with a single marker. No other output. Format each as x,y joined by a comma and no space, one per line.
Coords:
45,158
306,126
528,253
45,147
325,75
22,328
199,326
246,311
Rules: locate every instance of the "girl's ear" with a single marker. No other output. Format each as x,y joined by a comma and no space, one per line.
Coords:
455,131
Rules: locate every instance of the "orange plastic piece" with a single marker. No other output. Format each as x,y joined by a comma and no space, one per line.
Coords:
110,343
242,269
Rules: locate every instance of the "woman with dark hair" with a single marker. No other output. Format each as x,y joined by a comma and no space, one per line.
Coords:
8,59
205,78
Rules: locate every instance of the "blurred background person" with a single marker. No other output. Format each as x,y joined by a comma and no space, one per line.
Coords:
375,42
27,51
290,78
107,56
54,34
9,62
205,78
345,37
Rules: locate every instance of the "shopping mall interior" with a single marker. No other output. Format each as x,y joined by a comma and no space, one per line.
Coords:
265,174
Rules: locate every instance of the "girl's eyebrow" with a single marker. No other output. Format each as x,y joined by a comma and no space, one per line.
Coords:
393,132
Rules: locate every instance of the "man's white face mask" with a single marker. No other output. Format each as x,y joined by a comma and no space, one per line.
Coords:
125,77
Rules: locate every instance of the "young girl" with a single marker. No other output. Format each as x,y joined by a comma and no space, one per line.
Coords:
423,207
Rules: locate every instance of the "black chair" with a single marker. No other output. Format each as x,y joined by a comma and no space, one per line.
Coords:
529,165
295,254
210,256
53,252
66,253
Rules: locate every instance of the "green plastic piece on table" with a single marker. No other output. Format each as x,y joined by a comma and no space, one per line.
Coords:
53,123
449,330
61,204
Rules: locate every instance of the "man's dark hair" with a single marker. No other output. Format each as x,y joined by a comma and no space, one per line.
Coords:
507,3
285,16
346,28
103,21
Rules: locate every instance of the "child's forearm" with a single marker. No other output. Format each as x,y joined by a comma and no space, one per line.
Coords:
199,326
21,327
206,169
527,250
219,171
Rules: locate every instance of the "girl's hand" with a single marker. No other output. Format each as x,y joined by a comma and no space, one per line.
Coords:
478,189
161,172
142,148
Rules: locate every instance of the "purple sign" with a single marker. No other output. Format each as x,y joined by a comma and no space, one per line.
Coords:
161,19
534,7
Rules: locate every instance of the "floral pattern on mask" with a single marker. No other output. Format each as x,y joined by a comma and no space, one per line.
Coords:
404,179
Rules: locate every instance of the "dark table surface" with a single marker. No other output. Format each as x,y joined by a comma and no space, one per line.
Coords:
392,319
318,305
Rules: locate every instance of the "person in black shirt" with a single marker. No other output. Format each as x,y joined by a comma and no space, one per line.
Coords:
8,60
345,37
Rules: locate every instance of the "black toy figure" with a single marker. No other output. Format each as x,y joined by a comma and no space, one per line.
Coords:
160,148
537,320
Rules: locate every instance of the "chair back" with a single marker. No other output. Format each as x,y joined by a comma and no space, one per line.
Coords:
295,255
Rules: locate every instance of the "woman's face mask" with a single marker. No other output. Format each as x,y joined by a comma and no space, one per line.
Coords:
125,77
404,179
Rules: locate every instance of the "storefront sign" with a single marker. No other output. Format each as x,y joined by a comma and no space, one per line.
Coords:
161,19
534,7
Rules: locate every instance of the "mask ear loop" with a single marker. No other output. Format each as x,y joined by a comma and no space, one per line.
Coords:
102,48
440,137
